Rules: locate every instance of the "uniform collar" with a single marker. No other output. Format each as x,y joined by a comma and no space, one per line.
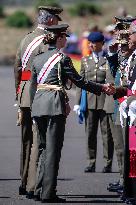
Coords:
100,54
52,47
97,56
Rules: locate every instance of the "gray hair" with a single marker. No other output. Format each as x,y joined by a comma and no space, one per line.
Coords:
44,17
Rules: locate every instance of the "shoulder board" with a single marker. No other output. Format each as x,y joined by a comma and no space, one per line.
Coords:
84,58
64,55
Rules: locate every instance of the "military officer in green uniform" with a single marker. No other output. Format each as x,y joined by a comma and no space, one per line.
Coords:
127,111
50,72
116,130
93,67
117,76
30,46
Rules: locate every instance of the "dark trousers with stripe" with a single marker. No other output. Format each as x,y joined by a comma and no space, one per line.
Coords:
26,144
51,133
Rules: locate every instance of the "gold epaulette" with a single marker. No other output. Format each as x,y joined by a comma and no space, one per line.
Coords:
84,58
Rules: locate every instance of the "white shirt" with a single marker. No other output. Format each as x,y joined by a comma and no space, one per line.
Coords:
96,56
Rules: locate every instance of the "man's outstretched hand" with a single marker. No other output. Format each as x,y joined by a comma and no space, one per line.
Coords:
109,89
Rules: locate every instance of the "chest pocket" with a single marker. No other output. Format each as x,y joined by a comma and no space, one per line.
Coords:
101,75
97,73
103,67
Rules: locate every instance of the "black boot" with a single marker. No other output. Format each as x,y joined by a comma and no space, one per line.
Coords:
53,200
30,195
22,191
89,169
106,170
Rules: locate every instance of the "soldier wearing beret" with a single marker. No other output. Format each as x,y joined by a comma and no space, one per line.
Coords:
94,68
50,72
30,46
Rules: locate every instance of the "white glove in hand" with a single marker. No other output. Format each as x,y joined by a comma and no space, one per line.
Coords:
123,111
77,109
134,88
132,112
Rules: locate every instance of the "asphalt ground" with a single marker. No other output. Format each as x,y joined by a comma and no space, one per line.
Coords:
73,184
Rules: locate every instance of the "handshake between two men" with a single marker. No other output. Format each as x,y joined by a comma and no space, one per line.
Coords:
109,89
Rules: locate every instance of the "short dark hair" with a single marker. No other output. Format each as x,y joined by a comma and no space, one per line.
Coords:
51,38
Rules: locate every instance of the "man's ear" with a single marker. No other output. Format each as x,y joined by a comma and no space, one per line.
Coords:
59,38
50,21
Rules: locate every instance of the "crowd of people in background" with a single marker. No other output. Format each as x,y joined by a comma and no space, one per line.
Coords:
79,45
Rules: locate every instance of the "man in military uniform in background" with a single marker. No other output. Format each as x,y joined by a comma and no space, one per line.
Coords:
116,130
117,76
94,68
29,47
128,110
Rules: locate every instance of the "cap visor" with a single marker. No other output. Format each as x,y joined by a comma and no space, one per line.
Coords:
59,18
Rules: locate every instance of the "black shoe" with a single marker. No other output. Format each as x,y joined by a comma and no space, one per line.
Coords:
22,191
53,200
89,169
115,188
130,201
120,191
123,198
114,184
106,170
30,195
37,198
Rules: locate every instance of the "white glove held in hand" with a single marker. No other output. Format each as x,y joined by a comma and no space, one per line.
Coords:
132,112
123,111
77,109
134,87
